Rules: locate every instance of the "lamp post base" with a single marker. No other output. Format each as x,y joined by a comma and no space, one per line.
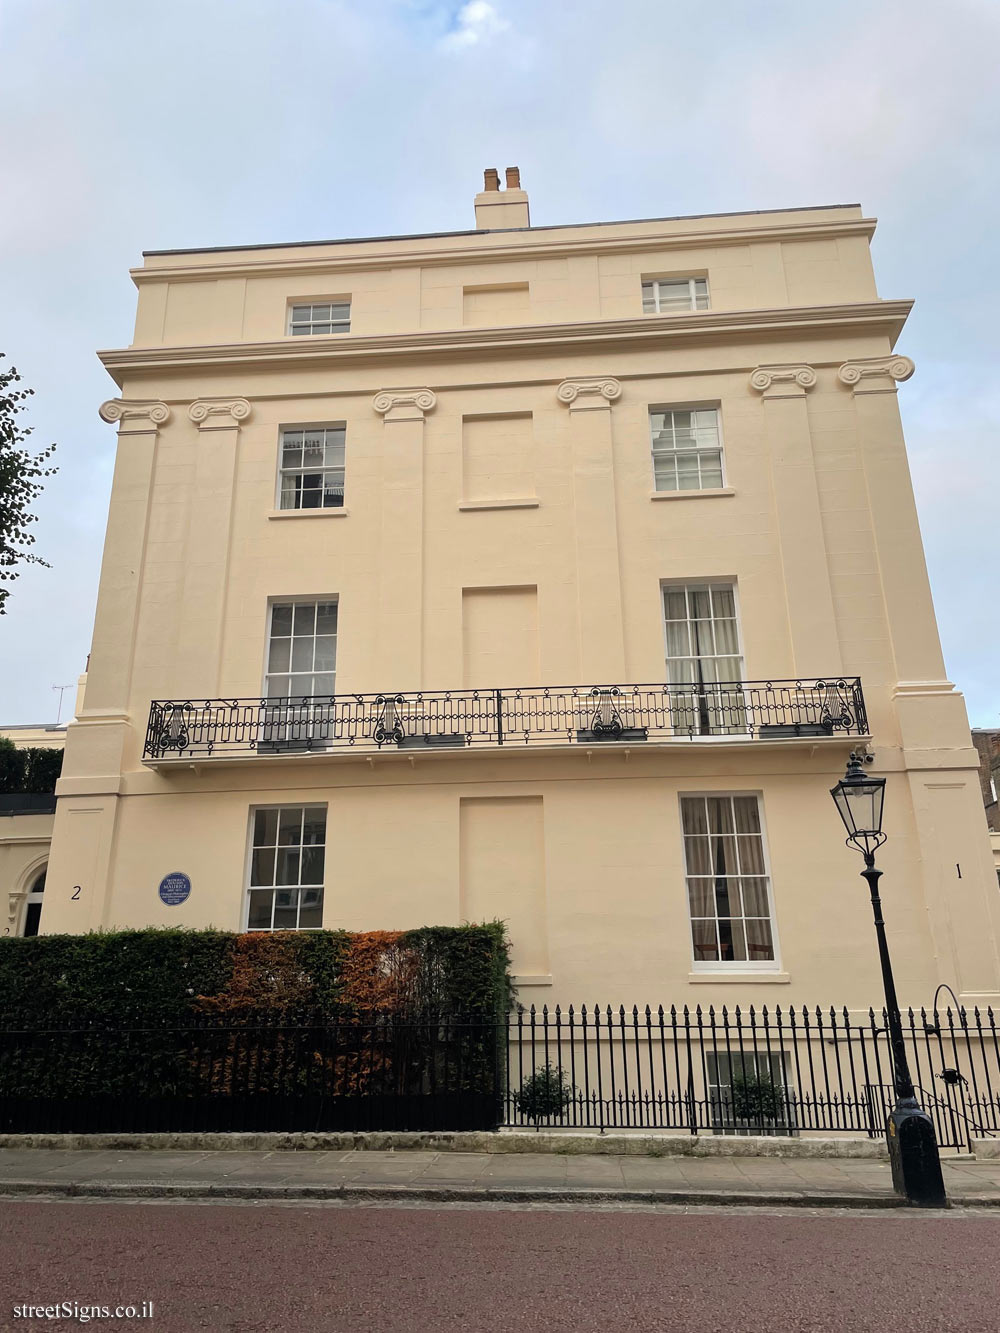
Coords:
913,1155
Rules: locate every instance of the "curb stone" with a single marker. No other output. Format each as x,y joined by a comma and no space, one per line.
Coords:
506,1141
458,1194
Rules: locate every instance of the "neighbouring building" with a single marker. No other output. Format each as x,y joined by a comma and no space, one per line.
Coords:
26,820
544,573
987,743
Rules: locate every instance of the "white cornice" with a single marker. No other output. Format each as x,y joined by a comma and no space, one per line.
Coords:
646,330
487,248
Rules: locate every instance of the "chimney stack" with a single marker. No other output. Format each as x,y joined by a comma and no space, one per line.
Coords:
499,210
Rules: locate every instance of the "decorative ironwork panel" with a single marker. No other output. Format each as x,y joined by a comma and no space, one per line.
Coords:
593,714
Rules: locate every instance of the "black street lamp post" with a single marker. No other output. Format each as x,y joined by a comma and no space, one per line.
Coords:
913,1150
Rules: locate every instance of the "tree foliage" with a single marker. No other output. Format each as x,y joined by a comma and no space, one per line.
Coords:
29,768
21,473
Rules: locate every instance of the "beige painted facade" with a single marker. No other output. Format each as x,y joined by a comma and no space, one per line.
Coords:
500,527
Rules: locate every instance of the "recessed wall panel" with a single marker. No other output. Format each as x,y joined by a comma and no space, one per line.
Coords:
502,873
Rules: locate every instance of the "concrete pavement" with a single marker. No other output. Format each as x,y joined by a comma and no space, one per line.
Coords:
475,1177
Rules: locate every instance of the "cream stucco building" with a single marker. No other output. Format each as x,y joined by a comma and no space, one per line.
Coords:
544,573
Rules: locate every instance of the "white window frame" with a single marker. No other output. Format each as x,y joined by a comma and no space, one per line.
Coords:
312,303
314,426
692,281
248,874
310,600
718,965
688,407
720,581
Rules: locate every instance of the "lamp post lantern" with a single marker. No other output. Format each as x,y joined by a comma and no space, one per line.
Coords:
913,1150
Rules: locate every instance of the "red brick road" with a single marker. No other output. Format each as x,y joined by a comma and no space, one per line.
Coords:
329,1269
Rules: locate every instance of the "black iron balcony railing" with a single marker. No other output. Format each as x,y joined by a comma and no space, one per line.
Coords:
536,715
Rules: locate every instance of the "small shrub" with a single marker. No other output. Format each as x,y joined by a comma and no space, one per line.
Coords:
544,1093
756,1097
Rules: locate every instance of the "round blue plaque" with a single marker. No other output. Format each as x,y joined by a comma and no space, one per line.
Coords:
175,888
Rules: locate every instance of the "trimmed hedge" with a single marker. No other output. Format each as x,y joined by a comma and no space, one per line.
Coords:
170,977
33,770
146,1029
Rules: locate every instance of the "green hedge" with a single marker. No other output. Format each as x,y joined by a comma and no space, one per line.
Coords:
32,770
162,977
137,1016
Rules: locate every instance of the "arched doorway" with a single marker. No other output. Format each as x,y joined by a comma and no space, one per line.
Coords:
33,904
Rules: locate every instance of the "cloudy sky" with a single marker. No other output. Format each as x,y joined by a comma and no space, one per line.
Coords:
131,125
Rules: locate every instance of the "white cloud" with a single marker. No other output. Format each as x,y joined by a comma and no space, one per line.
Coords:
475,22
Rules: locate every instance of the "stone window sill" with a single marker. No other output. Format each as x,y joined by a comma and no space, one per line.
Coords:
692,495
538,979
739,978
526,503
310,513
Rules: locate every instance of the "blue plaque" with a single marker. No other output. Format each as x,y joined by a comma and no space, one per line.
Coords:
175,888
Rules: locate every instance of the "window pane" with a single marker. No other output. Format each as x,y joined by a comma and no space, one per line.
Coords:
701,603
281,620
305,618
287,868
675,603
760,944
697,857
751,850
326,618
302,654
724,906
326,653
732,945
279,654
323,683
754,897
265,828
726,643
693,814
290,826
259,917
678,641
703,939
701,898
665,475
286,911
314,826
711,471
720,814
278,687
262,866
312,865
311,914
724,602
747,814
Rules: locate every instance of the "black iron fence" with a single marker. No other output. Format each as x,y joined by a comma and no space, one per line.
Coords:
373,1072
542,715
694,1071
748,1071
